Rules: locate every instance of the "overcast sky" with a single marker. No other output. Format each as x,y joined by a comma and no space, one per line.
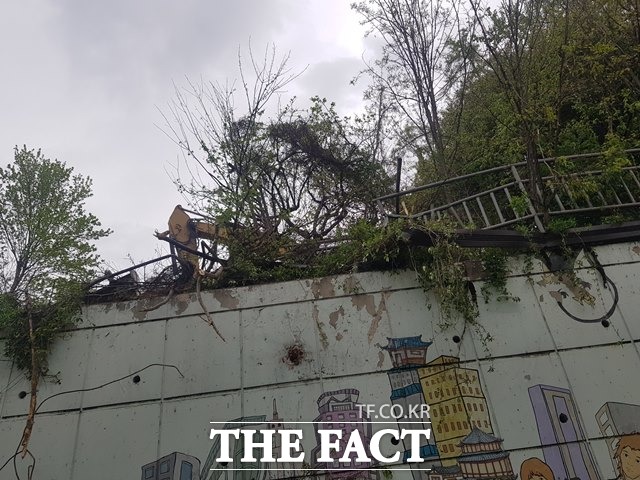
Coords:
83,80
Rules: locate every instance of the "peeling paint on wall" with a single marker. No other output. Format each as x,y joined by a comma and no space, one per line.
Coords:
226,299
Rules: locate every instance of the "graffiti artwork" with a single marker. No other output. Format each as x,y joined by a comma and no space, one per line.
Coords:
462,444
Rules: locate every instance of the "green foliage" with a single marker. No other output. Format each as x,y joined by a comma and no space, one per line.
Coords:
561,224
562,78
302,173
496,269
45,232
362,246
49,320
520,204
46,251
614,159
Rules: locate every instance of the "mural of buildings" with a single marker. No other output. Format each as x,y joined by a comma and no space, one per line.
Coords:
175,466
457,404
616,419
451,472
561,435
338,411
279,470
407,355
483,458
255,422
178,466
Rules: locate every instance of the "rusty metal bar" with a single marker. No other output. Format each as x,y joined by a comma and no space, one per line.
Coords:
495,204
627,190
484,215
466,209
536,218
506,191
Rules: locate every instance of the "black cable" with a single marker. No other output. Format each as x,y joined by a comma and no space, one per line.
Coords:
32,467
607,281
108,383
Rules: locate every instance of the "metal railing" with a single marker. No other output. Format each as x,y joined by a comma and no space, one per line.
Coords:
497,197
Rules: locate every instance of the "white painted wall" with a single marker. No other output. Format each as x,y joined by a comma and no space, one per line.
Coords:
341,323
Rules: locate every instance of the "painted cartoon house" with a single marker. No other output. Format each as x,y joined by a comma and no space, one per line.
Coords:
178,466
408,354
483,458
212,469
457,404
339,411
281,469
462,444
561,433
175,466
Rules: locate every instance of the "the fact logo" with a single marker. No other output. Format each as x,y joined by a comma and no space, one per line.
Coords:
344,446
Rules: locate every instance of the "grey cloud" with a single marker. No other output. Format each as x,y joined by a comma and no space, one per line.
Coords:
81,79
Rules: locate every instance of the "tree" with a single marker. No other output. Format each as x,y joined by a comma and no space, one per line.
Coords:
421,65
45,232
298,175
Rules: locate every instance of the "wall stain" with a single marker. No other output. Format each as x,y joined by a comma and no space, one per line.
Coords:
333,317
226,299
578,288
323,288
368,303
351,286
381,358
181,302
138,311
324,340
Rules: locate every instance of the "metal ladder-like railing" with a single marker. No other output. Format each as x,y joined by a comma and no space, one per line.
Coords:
507,203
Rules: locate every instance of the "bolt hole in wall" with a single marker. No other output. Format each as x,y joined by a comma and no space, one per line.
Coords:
22,394
456,339
605,323
136,379
563,418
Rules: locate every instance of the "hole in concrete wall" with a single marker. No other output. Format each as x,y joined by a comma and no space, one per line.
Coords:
395,441
294,354
136,379
456,339
22,394
563,418
605,323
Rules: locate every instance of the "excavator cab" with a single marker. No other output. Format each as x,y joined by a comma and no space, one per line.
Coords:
183,236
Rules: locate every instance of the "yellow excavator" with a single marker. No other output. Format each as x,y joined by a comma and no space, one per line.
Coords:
184,233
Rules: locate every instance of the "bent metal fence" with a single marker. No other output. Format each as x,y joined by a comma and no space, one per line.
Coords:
585,185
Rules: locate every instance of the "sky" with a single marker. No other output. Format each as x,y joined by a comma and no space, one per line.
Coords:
87,82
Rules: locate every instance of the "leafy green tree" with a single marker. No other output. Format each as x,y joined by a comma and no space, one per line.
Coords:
46,250
45,233
299,174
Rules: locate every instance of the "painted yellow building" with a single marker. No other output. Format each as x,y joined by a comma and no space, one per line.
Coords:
457,404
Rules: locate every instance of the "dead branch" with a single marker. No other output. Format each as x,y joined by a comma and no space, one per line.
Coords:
209,320
35,377
163,302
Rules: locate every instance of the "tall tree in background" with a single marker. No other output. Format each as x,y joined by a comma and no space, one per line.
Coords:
517,43
45,233
419,69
